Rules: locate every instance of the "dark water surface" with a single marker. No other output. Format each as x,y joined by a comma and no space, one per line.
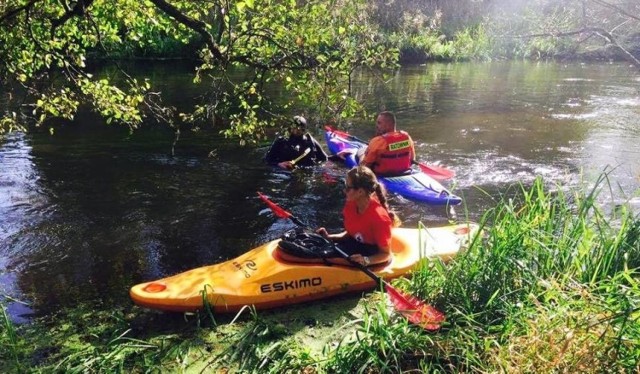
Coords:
92,210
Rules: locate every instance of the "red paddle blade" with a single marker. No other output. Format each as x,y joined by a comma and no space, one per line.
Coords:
436,172
279,212
414,310
343,134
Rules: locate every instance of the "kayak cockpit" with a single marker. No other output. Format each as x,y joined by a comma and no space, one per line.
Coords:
299,246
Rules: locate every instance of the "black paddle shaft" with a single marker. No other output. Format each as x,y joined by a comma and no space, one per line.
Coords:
365,269
284,214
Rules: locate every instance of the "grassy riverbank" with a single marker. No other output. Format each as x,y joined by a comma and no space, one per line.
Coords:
552,285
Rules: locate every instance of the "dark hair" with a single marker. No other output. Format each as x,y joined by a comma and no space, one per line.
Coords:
363,177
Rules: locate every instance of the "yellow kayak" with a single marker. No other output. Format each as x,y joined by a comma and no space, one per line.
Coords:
262,278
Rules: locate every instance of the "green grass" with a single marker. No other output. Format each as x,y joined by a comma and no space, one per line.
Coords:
551,285
9,344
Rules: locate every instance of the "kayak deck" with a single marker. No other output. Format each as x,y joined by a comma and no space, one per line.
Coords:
259,278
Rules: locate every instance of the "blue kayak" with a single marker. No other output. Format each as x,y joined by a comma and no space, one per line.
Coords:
414,185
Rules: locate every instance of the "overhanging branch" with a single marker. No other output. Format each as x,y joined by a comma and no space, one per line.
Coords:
14,12
616,8
593,30
78,10
193,24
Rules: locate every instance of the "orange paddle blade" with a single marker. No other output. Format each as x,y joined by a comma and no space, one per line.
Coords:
416,311
279,212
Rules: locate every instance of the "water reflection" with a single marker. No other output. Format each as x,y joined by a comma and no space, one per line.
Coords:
92,210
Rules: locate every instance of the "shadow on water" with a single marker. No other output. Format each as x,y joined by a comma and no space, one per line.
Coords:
94,209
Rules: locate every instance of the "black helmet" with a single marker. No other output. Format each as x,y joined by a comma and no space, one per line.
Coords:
299,121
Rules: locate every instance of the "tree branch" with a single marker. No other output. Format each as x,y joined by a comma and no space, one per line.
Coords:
616,8
566,33
193,24
613,41
14,12
78,10
595,30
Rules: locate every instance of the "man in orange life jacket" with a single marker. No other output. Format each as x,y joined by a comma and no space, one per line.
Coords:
390,152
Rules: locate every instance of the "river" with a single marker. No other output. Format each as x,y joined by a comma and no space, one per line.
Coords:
93,209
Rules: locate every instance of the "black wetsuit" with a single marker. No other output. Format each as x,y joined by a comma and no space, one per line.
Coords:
287,149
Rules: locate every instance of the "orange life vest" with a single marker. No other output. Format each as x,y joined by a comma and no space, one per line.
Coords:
396,158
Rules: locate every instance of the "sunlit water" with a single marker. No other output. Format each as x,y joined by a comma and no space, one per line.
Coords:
92,210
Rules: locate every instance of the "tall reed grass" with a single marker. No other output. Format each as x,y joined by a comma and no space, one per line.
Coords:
552,285
9,343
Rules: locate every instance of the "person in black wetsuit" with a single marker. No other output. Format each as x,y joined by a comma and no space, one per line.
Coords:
284,150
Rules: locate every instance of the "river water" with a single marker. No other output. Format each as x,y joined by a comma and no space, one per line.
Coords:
94,209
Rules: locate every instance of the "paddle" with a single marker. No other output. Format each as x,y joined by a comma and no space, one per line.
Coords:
416,311
436,172
303,155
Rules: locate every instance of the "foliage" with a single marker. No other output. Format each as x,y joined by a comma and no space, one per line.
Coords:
458,30
306,52
555,28
448,17
471,43
309,49
419,30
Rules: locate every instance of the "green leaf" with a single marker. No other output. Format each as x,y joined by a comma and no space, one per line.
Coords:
240,6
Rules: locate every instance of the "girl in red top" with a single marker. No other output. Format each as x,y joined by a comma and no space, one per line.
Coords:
367,219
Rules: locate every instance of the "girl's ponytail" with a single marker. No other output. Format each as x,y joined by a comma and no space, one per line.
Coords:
382,198
363,177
